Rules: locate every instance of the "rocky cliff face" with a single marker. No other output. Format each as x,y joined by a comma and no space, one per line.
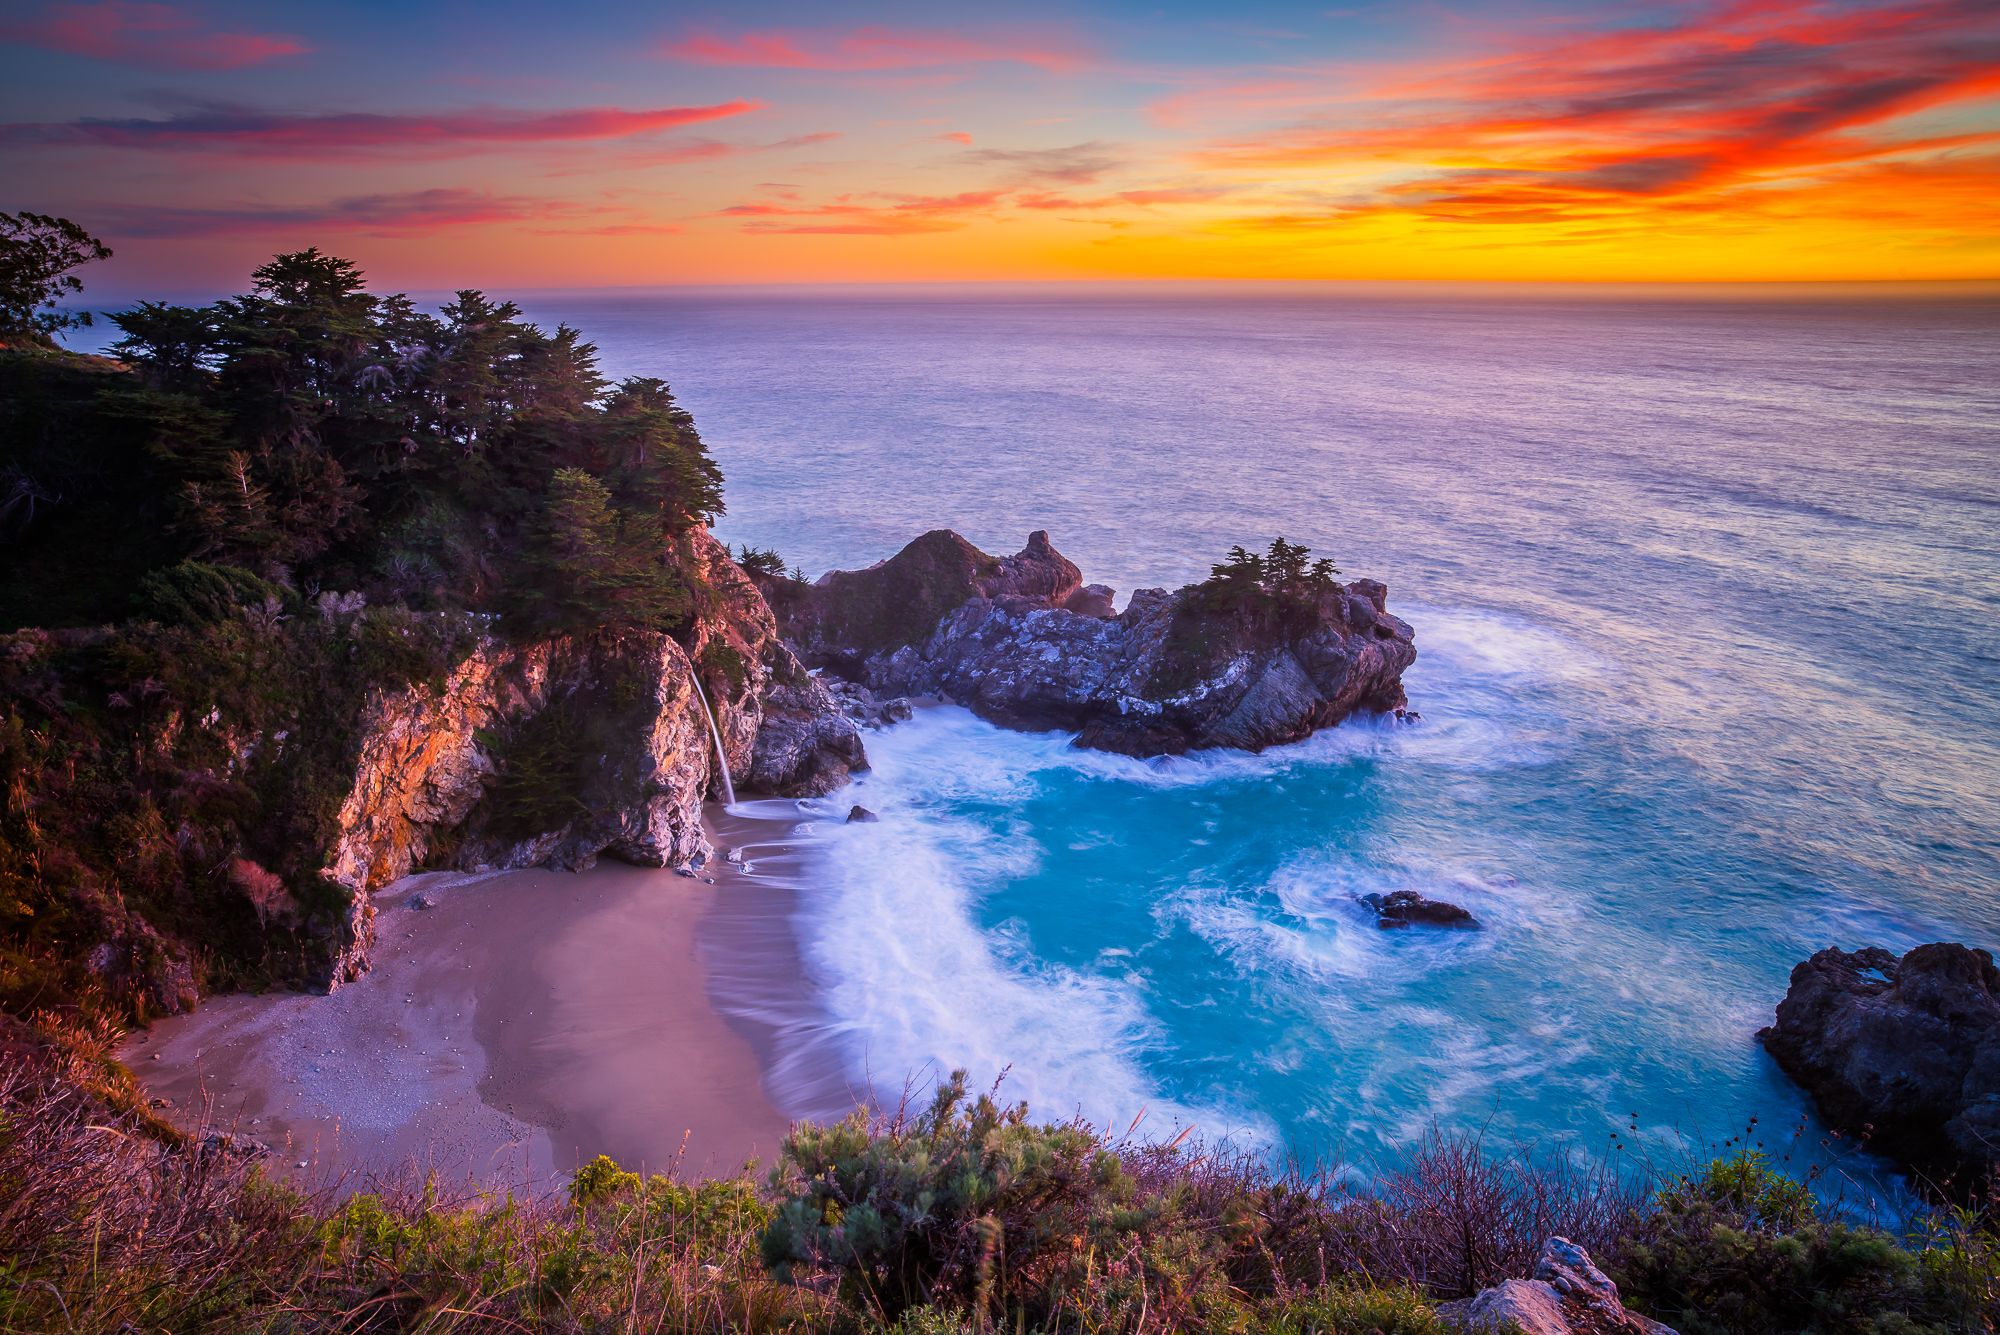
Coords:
1021,641
557,752
783,733
1904,1052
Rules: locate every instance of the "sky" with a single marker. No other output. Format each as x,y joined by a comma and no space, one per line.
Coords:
519,146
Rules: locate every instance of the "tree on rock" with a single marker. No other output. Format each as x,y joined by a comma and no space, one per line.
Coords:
594,566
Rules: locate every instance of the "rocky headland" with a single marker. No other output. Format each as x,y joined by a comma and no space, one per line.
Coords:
1023,642
1903,1055
615,727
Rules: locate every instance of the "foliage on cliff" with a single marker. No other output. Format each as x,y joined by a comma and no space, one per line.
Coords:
319,437
215,548
965,1217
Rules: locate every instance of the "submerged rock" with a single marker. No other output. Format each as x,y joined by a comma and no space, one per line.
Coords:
1406,908
1568,1295
1021,642
1903,1053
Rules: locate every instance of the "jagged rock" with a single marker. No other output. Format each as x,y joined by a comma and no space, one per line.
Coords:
862,815
1092,600
1406,908
782,731
859,704
1904,1053
1171,673
1568,1295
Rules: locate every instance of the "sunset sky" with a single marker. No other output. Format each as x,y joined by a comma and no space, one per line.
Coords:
533,145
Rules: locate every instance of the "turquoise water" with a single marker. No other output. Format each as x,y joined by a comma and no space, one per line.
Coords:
1706,595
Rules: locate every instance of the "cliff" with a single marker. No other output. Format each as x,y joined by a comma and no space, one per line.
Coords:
558,751
207,806
1903,1054
1023,642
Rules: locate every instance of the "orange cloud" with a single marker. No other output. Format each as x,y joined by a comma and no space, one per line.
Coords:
896,215
153,35
1719,113
871,49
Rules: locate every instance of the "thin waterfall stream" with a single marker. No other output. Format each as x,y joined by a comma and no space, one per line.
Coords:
715,735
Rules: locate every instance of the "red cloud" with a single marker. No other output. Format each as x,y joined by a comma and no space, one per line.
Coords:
146,34
1739,98
872,48
241,129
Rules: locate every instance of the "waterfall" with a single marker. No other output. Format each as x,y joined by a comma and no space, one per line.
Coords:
715,734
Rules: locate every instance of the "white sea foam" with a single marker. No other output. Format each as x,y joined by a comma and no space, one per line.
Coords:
915,985
919,981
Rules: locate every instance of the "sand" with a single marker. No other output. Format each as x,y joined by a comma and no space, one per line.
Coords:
527,1022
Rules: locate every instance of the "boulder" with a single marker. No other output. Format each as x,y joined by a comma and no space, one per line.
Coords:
1092,600
1568,1295
861,815
1019,641
1902,1054
1406,908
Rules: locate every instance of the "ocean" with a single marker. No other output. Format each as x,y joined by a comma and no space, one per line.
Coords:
1706,589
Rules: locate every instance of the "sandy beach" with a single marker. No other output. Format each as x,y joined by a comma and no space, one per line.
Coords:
524,1023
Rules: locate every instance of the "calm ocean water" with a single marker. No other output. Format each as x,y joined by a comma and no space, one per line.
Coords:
1707,600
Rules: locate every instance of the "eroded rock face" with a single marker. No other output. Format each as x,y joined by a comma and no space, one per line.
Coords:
1020,641
783,732
431,758
1568,1295
1904,1052
427,763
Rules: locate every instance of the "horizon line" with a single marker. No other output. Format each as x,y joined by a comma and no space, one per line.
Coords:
1984,286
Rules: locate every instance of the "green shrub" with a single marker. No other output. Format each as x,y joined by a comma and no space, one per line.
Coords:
722,661
194,593
939,1206
1741,1250
1338,1310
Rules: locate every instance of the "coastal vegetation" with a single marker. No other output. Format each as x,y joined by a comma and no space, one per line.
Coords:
961,1215
265,514
221,545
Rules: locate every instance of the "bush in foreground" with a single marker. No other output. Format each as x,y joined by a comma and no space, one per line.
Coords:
962,1217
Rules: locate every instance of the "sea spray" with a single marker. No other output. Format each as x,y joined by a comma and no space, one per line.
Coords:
715,735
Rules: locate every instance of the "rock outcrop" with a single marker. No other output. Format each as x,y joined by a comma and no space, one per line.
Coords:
622,724
1902,1053
431,759
1407,908
783,733
1568,1295
1021,641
